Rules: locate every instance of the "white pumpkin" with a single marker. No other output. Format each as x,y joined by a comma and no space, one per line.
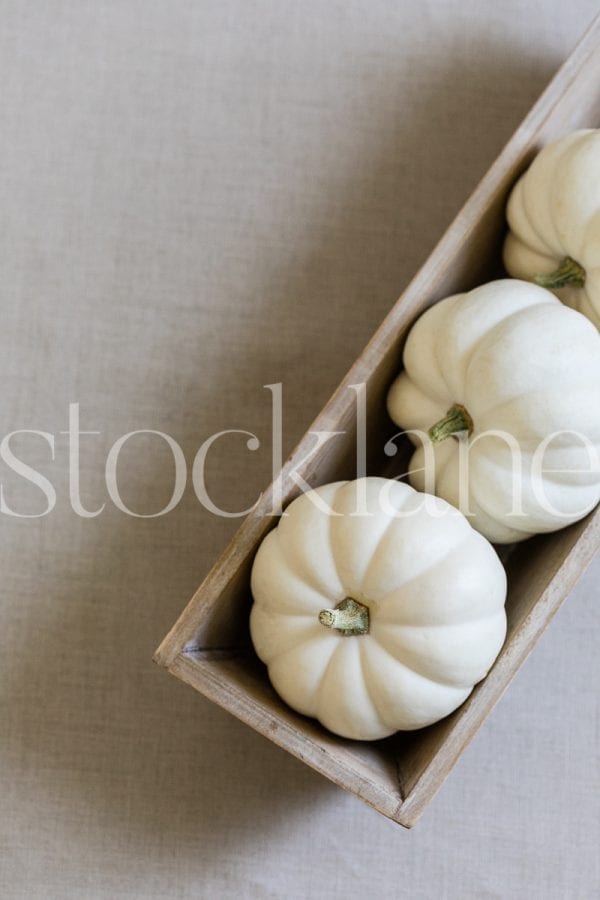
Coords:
554,218
376,608
507,358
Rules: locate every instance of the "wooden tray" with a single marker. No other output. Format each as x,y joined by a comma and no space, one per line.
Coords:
209,646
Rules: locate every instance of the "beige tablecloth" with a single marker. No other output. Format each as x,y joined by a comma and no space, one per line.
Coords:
199,199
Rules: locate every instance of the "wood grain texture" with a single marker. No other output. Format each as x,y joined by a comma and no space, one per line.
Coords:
209,646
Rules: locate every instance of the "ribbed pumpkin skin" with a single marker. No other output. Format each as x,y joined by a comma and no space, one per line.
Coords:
524,366
434,588
554,212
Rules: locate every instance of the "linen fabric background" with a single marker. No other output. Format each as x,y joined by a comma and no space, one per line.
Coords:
199,199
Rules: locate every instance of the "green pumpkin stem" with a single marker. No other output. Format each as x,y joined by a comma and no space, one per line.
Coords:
569,272
348,617
456,420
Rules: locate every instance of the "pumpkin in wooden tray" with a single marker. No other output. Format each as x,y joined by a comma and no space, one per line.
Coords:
376,608
500,393
554,219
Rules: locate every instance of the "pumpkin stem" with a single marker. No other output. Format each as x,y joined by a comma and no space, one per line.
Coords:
457,419
569,272
348,617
